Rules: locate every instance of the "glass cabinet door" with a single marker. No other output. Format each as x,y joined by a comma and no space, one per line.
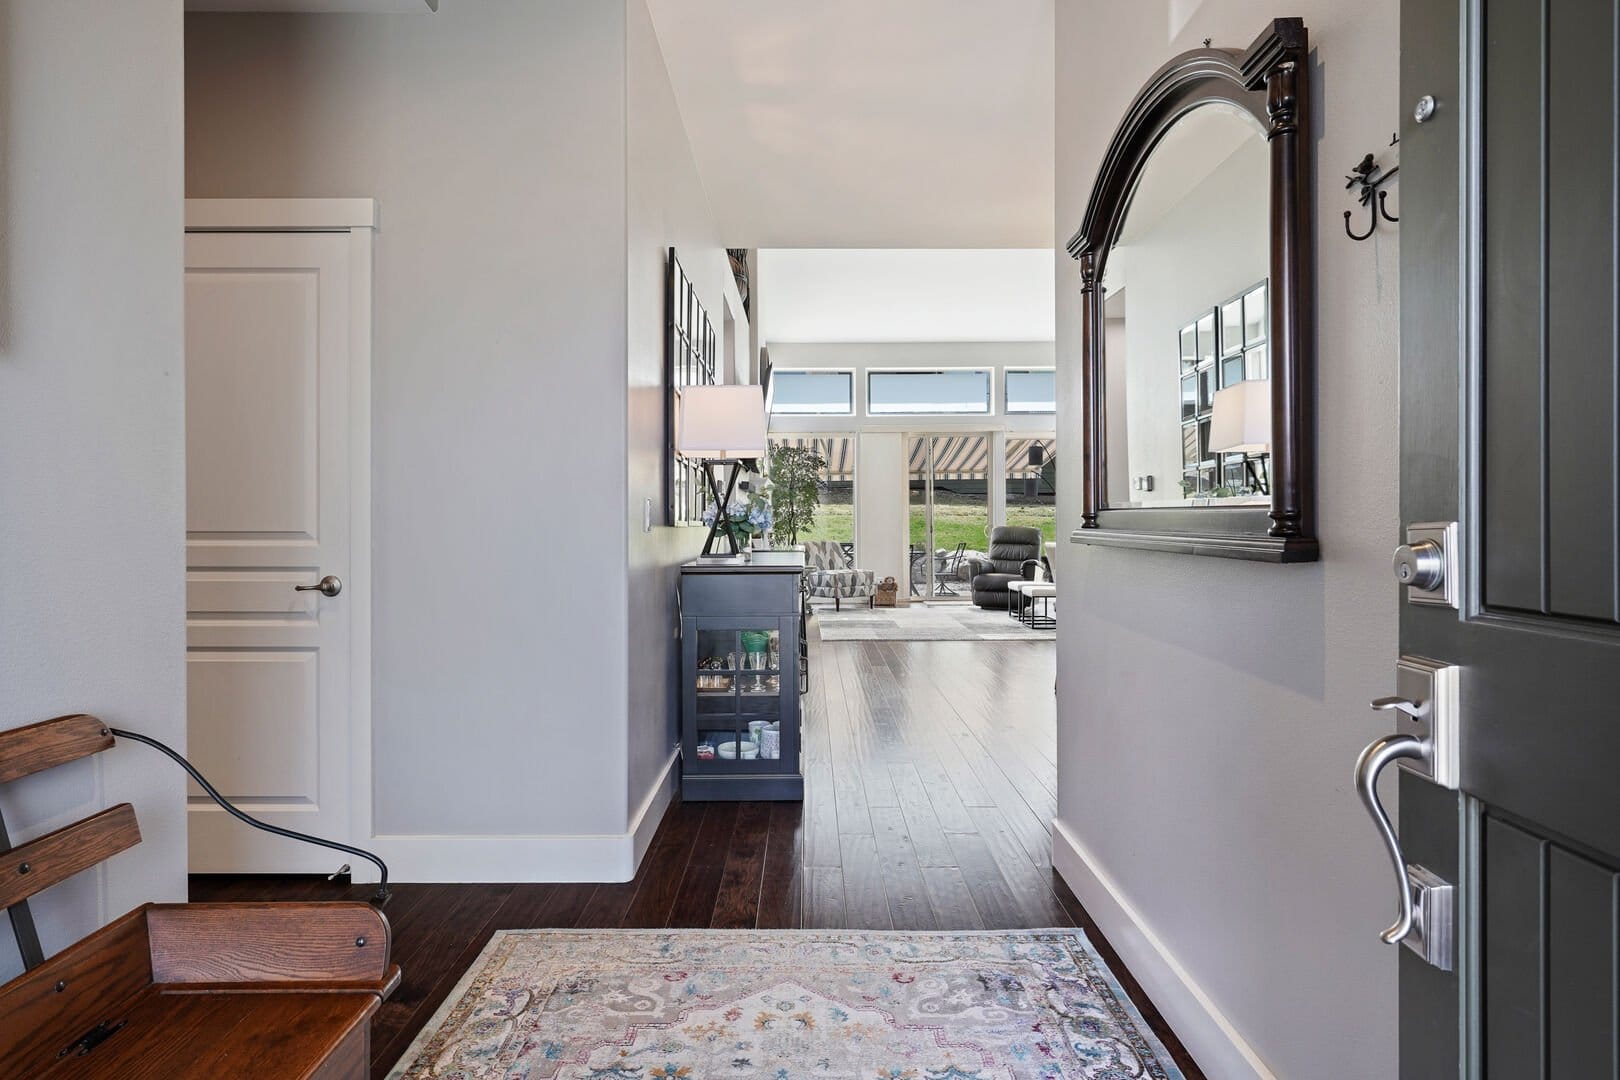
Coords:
739,678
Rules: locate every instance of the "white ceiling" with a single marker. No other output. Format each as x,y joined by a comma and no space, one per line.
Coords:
854,123
906,295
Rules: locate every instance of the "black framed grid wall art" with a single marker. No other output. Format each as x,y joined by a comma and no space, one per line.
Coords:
689,360
1221,347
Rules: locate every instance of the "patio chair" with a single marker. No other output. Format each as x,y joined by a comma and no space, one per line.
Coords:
949,567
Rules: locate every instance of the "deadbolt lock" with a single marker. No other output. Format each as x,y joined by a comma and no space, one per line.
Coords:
1427,563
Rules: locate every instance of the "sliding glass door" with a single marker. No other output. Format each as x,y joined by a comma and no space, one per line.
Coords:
949,493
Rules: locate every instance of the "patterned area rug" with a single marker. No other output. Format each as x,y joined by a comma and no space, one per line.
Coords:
787,1005
949,621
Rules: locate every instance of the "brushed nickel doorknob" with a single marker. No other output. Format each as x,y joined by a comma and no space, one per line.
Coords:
330,585
1421,565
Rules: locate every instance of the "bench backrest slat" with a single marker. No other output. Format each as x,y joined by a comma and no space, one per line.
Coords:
59,855
37,747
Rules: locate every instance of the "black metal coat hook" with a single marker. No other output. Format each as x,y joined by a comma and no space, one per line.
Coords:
1368,178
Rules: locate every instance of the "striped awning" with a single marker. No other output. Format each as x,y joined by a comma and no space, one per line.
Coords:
956,457
967,457
839,450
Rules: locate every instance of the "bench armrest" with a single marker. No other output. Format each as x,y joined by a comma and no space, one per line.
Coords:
281,943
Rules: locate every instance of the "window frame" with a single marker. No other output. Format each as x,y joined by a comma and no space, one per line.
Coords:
1006,398
777,372
988,371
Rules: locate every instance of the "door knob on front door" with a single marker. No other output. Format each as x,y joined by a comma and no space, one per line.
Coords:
1421,565
1427,564
330,585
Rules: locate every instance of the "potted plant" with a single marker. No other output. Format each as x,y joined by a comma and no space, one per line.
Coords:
795,473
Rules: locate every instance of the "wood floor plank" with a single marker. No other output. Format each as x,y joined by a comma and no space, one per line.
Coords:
922,821
909,908
672,844
997,905
781,892
950,898
743,872
1031,887
695,899
824,898
866,904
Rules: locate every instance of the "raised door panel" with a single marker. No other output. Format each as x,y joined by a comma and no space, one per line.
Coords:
252,399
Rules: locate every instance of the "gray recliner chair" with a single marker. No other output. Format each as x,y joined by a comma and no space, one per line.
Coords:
1011,547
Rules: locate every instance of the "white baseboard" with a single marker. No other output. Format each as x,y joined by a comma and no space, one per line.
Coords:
1217,1046
481,859
650,814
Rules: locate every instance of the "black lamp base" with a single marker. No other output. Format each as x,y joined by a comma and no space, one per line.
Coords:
721,501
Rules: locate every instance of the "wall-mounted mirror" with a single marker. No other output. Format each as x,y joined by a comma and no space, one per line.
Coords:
1198,331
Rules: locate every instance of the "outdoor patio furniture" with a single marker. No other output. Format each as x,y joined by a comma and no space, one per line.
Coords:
948,568
1011,546
828,573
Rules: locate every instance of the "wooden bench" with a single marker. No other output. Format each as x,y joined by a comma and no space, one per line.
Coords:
178,991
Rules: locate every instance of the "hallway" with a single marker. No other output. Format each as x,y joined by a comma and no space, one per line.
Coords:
929,782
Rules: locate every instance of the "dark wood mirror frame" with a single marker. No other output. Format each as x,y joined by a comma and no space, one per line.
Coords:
1270,80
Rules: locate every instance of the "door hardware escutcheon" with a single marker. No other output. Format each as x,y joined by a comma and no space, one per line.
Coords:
1425,742
1427,563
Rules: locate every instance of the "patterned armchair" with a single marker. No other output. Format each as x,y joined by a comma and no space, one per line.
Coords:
828,573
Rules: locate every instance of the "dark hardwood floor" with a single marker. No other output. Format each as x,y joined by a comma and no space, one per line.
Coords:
930,784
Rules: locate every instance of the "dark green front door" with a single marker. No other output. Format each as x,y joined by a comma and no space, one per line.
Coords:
1509,398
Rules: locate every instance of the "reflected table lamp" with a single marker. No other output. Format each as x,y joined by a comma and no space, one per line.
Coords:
720,424
1240,423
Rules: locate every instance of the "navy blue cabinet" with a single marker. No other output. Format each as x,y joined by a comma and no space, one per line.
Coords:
741,672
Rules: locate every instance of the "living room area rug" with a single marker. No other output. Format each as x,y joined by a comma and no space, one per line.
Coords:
787,1005
939,621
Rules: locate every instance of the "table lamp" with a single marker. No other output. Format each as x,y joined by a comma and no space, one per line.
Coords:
1240,423
716,424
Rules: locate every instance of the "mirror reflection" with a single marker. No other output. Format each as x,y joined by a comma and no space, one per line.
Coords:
1187,365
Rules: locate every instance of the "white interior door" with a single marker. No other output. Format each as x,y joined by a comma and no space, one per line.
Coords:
268,464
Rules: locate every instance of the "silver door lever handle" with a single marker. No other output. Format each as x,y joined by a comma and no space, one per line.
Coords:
1411,708
1368,766
330,585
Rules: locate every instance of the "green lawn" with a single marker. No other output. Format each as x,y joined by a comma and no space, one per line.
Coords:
953,525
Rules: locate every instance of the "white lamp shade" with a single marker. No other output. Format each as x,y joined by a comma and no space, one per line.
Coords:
720,423
1240,422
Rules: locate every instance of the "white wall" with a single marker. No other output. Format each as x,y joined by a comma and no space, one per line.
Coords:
493,136
667,208
92,429
882,509
907,294
1210,710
